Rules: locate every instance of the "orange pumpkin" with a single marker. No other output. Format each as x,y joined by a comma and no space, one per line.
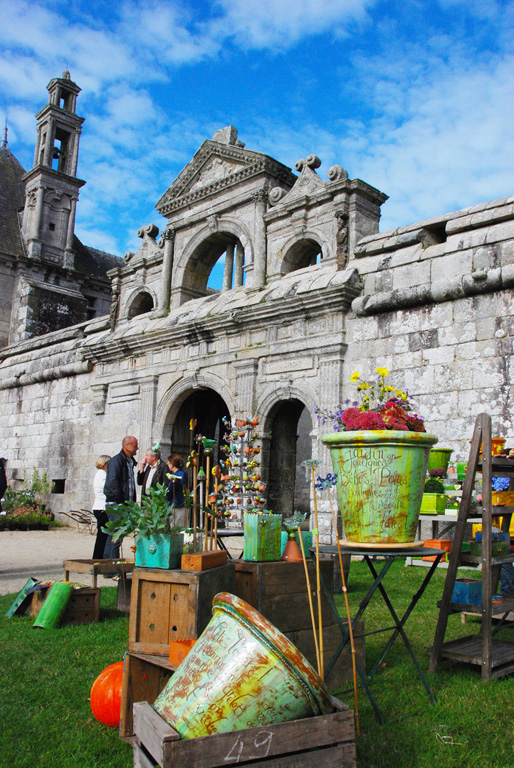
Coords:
105,695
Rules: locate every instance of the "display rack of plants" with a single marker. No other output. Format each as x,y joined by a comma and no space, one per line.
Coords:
241,488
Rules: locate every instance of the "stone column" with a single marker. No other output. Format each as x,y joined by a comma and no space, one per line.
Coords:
246,379
229,267
259,265
238,272
68,251
148,389
167,240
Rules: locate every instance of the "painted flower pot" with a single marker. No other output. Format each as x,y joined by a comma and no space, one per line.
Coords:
439,458
261,537
380,481
242,671
159,550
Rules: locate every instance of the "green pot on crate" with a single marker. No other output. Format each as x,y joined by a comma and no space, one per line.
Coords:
159,550
380,480
241,672
439,458
261,537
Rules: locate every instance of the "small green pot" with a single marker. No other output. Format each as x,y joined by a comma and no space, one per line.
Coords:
159,550
261,537
439,458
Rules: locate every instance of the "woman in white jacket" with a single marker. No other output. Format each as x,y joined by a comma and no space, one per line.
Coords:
99,506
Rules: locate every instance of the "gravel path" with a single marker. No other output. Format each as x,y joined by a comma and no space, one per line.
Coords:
40,554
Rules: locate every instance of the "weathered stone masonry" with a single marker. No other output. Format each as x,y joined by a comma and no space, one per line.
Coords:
324,294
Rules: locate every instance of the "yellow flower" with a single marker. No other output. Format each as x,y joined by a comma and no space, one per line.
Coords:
382,371
355,376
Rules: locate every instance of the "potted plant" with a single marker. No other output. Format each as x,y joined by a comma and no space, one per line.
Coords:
379,451
157,544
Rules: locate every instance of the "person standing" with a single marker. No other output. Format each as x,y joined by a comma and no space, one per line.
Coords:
3,480
176,489
120,486
152,473
99,506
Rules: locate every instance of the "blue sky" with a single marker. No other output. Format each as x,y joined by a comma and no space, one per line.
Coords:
416,98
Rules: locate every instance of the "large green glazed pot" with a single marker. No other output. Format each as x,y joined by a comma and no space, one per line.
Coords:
380,480
241,672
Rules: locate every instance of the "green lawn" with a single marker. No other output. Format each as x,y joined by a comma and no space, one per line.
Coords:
46,721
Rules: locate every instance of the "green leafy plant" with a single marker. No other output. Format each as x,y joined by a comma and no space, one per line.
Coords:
434,486
36,485
150,517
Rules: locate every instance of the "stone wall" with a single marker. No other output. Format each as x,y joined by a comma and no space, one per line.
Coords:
433,302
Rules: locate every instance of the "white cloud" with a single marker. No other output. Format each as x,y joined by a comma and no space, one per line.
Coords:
281,23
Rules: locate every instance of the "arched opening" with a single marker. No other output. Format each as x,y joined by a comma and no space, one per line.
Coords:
304,253
228,272
289,490
141,304
216,265
208,408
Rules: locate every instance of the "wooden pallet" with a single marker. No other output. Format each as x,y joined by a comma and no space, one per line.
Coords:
326,741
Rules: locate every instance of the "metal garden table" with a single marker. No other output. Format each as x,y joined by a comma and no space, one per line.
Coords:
372,557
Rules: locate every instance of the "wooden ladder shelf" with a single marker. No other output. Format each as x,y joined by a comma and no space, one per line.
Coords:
495,658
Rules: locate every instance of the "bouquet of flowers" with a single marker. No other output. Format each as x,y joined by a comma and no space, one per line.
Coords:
382,406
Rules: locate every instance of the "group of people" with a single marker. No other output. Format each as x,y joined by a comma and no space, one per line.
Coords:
115,482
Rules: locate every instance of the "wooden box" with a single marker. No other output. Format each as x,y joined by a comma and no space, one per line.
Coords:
144,677
172,605
326,741
83,606
279,591
341,674
123,594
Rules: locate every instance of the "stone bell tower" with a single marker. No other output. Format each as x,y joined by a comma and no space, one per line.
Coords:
52,187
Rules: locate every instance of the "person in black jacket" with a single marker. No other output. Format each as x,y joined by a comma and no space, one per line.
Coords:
3,481
120,486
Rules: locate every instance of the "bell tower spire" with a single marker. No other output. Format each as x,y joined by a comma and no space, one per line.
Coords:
52,186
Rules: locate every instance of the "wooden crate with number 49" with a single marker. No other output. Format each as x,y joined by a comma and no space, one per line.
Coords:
326,741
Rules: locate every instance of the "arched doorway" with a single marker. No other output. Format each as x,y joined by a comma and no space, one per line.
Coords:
208,408
290,424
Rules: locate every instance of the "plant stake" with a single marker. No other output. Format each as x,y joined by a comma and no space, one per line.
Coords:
311,607
312,464
325,484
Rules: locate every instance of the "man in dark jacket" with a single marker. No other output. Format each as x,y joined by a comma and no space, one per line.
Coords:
153,472
3,481
120,486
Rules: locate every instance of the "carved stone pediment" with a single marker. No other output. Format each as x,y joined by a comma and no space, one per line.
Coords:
307,184
213,169
217,166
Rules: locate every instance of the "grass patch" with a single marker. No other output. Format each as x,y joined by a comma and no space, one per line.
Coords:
470,723
46,720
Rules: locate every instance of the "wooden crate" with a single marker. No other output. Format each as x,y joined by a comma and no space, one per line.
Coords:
341,674
83,606
123,594
326,741
278,590
173,605
144,677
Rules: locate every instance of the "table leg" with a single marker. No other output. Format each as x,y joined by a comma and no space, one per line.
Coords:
399,623
221,545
